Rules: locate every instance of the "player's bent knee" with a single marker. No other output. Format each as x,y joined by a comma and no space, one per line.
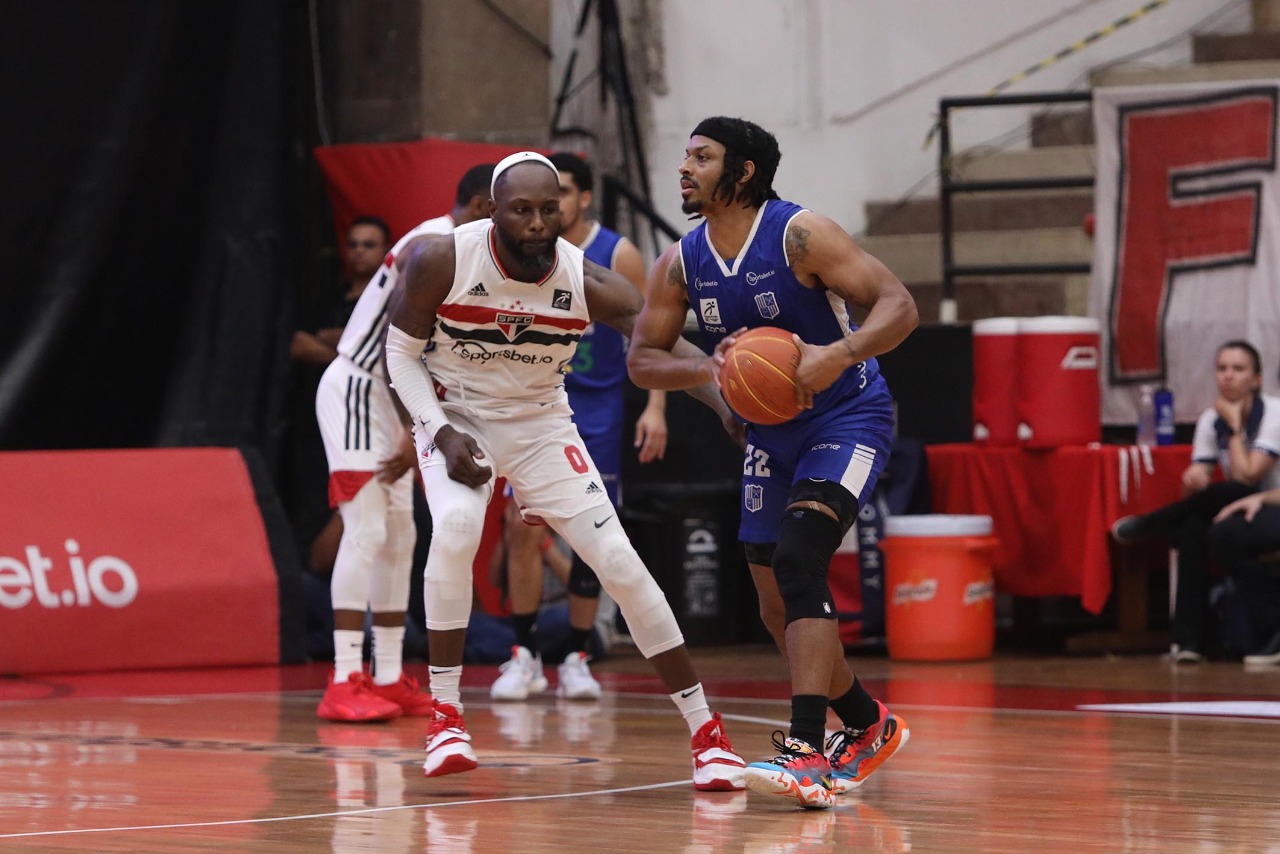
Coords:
609,553
807,540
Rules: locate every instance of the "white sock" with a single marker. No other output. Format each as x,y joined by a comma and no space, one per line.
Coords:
692,703
348,649
388,653
444,685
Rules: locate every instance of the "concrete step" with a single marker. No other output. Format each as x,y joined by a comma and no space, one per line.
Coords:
1059,161
982,212
1006,297
1137,75
1236,47
1062,126
917,258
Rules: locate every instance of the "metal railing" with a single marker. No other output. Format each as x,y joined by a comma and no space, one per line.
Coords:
949,187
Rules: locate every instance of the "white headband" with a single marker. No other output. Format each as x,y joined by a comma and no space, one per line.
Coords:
514,160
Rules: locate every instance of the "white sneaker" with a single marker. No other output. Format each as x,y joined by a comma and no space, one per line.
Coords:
520,677
576,681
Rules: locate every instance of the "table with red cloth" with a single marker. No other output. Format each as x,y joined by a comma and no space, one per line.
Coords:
1052,509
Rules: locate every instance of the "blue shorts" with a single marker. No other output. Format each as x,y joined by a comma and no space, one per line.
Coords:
598,417
848,445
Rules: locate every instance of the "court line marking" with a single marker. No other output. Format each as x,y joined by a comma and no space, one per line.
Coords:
346,813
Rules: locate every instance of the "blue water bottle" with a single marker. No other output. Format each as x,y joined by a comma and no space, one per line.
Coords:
1164,416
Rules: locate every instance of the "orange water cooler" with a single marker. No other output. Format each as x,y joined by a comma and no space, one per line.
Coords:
939,587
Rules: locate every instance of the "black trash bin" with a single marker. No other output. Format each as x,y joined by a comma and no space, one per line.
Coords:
687,535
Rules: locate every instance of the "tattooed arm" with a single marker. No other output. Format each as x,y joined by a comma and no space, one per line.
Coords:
823,255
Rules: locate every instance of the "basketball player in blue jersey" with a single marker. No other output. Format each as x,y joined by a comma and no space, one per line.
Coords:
594,381
759,261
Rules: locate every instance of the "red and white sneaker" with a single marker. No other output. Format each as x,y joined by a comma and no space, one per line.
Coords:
448,743
354,701
406,694
716,768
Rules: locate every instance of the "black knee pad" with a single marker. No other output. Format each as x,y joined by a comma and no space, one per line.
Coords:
807,540
582,581
841,501
760,554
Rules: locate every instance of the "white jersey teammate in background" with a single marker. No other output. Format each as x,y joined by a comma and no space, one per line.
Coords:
370,455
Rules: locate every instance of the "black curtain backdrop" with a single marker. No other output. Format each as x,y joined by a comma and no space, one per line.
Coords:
144,298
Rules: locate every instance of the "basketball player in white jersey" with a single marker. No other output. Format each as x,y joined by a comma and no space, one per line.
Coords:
370,454
499,309
595,383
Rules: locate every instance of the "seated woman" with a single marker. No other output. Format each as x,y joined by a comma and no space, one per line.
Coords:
1240,434
1245,540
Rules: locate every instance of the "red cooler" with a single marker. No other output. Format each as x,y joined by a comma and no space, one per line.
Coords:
995,381
1058,396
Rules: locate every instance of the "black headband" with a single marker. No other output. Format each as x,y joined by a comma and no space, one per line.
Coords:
746,140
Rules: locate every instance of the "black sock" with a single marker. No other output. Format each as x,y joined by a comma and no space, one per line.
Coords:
526,631
579,639
856,708
809,718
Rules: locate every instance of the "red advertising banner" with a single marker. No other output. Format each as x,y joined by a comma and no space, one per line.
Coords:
115,560
405,183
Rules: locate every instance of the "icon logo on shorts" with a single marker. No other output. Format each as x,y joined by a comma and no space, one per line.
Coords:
753,497
593,488
561,299
478,291
767,304
710,310
513,324
602,522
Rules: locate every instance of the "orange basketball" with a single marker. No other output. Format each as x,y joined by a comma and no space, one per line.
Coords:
758,379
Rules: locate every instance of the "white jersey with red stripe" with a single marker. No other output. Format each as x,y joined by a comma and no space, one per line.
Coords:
500,345
361,340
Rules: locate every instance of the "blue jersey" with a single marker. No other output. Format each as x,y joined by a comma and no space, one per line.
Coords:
758,289
846,437
600,364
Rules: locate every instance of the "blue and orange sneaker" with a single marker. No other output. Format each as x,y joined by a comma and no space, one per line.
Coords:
799,770
857,753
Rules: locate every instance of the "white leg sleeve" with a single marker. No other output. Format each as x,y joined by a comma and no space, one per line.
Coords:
457,520
364,521
389,590
609,552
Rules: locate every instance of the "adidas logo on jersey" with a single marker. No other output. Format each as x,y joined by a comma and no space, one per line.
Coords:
593,488
478,291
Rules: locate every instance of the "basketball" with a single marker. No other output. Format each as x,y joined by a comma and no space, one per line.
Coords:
758,379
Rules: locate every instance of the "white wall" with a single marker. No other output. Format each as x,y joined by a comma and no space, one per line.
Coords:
802,68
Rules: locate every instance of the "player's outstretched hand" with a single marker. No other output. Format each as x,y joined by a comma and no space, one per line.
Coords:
718,355
460,454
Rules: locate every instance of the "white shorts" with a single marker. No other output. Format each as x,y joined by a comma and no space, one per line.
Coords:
543,459
360,428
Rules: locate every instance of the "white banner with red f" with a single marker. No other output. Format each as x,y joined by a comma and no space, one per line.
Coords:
1187,242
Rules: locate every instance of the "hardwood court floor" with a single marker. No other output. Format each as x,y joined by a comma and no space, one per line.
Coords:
1010,755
